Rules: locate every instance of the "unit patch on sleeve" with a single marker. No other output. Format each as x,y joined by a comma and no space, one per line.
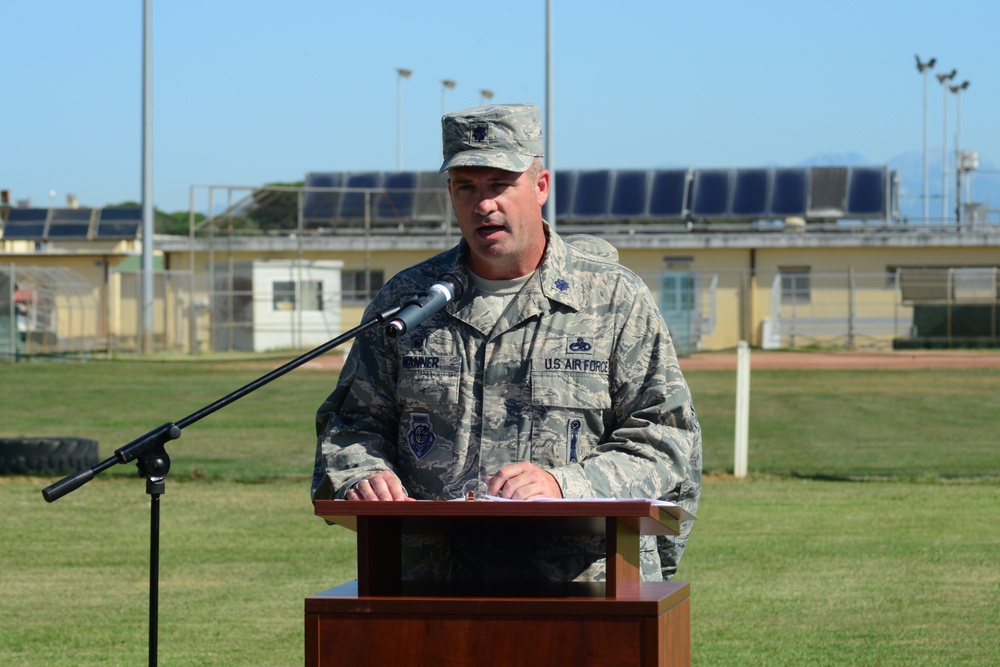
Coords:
421,435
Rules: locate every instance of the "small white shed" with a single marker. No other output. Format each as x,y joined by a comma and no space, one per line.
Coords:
296,303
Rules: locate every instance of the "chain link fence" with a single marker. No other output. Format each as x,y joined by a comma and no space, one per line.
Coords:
291,305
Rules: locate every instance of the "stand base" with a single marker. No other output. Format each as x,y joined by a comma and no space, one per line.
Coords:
650,628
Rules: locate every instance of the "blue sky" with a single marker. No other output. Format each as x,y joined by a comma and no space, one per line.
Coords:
250,92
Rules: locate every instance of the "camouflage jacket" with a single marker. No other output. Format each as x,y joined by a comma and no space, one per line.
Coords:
578,376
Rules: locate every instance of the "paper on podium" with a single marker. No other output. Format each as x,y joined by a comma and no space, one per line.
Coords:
683,514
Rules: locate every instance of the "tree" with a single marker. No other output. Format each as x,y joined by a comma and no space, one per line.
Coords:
275,209
165,223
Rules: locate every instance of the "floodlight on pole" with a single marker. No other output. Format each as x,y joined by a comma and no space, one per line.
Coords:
957,90
485,95
401,73
943,79
446,85
924,68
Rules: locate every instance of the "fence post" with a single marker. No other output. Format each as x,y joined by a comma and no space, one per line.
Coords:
12,325
742,409
851,307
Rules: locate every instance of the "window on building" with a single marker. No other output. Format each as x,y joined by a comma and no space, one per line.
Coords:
796,284
284,294
311,294
356,290
286,297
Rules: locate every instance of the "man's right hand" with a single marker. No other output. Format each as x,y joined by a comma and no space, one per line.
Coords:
378,486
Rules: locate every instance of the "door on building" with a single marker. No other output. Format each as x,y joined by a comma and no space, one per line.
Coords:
677,305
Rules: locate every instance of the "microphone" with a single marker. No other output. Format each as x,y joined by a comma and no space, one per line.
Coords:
449,287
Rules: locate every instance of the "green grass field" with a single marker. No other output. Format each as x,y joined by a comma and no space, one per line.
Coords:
864,536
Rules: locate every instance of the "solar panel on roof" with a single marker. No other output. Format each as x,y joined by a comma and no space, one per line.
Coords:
111,229
432,198
27,215
592,192
72,214
788,192
669,193
70,223
750,193
827,192
119,223
352,204
24,230
129,213
866,194
318,205
25,223
630,193
397,200
710,192
565,182
68,230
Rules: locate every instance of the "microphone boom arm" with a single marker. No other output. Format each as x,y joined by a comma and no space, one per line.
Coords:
159,436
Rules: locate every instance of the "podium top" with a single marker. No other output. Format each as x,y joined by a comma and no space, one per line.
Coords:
647,517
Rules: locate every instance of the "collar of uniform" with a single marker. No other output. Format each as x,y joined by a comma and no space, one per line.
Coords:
557,275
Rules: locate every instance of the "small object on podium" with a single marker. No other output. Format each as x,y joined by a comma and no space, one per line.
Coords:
474,489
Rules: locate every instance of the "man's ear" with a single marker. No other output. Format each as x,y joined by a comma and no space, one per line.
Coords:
542,182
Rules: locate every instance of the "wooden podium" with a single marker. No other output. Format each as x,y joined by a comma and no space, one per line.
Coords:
385,619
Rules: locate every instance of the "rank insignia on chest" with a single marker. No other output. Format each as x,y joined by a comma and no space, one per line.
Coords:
421,435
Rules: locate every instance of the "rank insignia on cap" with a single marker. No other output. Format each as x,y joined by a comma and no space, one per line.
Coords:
562,285
480,132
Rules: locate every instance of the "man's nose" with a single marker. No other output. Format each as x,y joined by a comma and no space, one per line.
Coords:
486,203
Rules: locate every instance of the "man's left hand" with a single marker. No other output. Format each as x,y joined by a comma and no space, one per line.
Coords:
523,481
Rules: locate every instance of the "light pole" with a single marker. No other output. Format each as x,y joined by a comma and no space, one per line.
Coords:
446,85
550,162
485,95
943,79
924,69
958,148
148,211
401,73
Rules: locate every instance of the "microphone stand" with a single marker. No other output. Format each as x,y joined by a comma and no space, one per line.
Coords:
149,452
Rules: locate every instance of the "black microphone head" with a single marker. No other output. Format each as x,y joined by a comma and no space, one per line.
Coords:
449,287
458,281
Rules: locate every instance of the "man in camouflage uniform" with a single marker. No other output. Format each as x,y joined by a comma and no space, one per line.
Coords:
553,375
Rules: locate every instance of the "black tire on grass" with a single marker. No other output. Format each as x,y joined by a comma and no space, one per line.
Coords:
22,456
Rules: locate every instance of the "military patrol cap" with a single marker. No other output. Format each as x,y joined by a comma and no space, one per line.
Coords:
505,136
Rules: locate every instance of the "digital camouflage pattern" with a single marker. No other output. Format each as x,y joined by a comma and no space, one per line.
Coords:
578,376
504,136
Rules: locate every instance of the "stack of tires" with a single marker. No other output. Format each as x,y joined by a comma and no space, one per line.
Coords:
24,456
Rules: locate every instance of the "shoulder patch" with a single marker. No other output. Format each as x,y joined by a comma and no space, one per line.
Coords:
421,435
